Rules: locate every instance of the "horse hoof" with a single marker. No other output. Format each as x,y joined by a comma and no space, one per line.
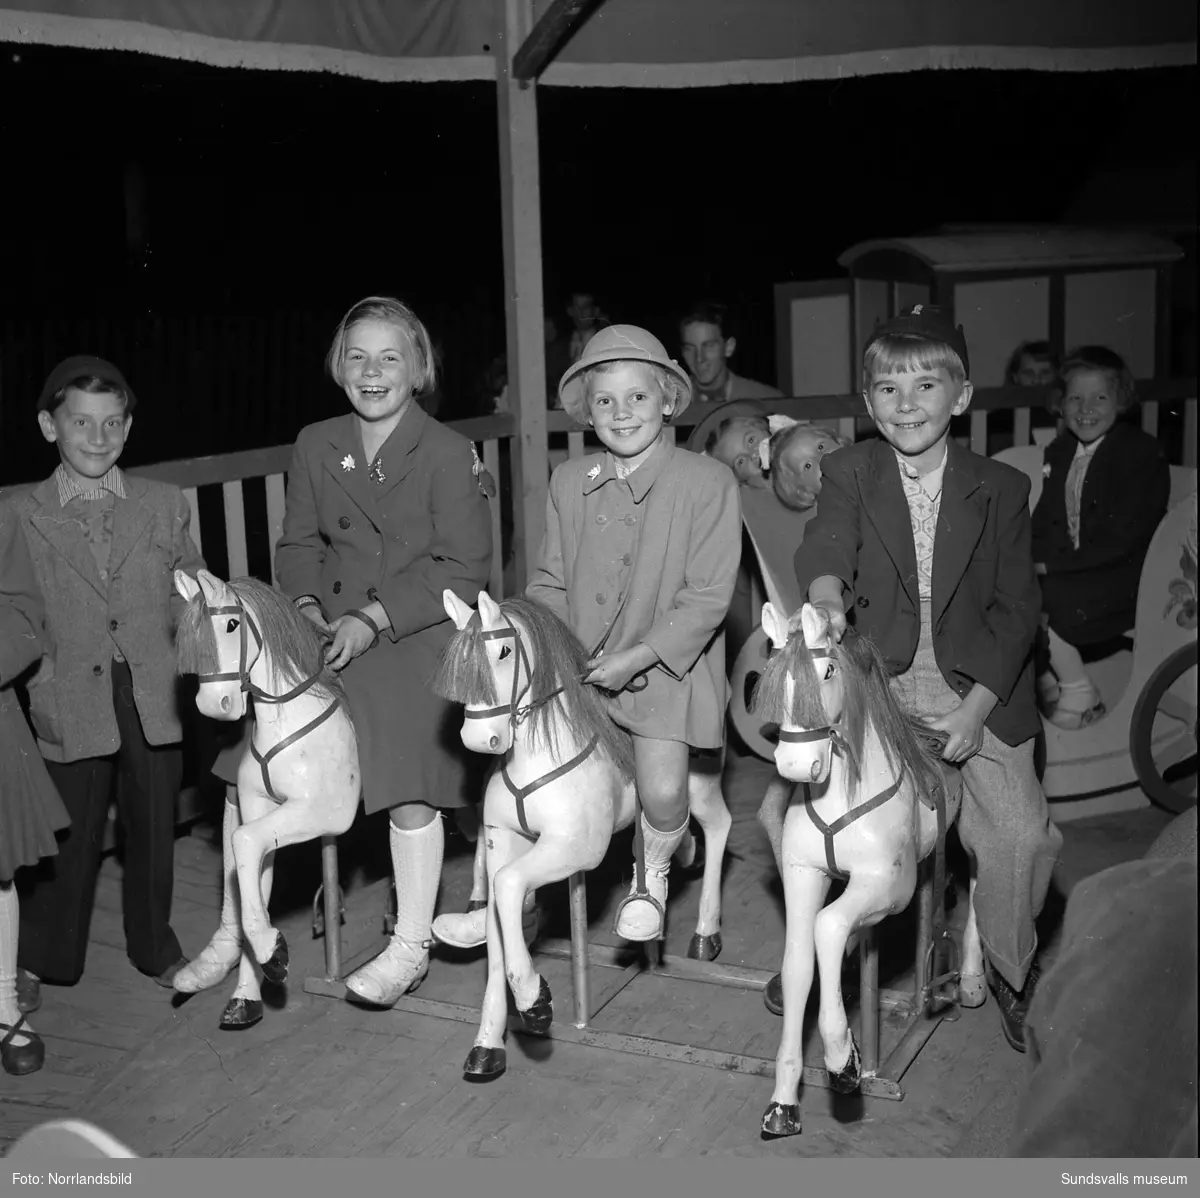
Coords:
275,967
485,1064
704,948
846,1079
477,905
782,1120
972,990
773,995
241,1013
538,1017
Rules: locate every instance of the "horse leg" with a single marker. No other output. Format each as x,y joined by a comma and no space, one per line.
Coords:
294,822
245,1008
554,857
214,962
972,986
479,886
707,804
864,900
804,890
771,814
487,1059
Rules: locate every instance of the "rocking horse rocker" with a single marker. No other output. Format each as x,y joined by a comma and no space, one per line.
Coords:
564,788
877,802
299,778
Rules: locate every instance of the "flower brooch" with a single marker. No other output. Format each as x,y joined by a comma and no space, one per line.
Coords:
594,472
348,462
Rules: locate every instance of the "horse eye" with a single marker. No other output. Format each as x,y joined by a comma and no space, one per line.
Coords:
232,625
829,671
505,650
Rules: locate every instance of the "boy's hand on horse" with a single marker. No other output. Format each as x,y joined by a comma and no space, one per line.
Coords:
616,672
825,594
964,725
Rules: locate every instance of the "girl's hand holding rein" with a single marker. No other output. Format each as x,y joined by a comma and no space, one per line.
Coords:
616,672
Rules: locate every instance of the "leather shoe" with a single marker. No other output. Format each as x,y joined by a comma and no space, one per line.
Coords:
1013,1004
19,1059
166,979
29,992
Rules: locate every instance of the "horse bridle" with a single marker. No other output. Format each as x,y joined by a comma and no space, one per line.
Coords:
830,732
517,714
242,676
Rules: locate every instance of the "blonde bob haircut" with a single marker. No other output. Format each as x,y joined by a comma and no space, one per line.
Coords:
387,310
673,390
902,353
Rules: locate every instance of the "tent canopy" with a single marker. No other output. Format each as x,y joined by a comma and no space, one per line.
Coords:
626,43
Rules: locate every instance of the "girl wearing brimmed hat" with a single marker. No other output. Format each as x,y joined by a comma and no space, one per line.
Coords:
640,557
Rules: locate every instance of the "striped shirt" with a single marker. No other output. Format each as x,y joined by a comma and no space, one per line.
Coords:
69,489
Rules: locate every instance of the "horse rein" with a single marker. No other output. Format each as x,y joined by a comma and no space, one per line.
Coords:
517,715
242,676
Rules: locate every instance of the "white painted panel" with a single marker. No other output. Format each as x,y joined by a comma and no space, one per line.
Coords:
997,315
820,328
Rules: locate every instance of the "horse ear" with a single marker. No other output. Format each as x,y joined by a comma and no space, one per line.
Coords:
186,585
775,625
456,609
212,586
489,609
815,624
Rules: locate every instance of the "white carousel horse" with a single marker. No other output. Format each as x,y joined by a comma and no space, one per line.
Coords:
877,802
298,780
565,786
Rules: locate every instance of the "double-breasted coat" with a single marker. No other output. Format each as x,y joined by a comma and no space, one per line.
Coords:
30,809
985,595
352,541
1089,594
650,559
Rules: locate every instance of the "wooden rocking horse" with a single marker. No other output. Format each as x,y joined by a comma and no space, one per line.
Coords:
299,778
877,801
565,786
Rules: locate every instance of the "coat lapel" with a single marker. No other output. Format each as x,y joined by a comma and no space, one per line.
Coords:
885,506
130,518
399,453
961,518
343,459
65,535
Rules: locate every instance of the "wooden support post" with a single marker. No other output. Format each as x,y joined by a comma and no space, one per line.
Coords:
557,24
520,204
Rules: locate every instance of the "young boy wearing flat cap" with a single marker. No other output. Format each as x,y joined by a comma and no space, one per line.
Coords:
105,546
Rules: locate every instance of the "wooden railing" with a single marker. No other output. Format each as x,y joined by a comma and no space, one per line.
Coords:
227,545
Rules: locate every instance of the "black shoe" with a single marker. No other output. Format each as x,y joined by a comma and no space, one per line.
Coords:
1013,1004
773,995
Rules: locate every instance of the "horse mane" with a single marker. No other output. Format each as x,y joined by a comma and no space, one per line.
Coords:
907,742
293,643
559,659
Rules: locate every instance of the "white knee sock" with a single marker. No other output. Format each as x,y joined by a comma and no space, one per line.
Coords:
417,861
1076,690
9,927
660,846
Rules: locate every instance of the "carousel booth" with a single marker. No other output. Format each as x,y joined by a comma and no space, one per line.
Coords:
1004,285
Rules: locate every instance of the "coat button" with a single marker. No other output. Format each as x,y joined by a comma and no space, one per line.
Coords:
601,519
337,588
372,594
98,670
601,598
863,601
344,522
625,559
630,519
113,626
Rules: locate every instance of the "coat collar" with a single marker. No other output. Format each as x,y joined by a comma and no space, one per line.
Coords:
961,517
345,459
130,517
641,480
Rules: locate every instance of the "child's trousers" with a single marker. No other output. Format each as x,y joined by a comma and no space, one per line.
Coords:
1004,824
56,910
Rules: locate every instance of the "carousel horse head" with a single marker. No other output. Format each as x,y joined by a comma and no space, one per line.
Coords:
521,650
803,690
230,630
824,694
